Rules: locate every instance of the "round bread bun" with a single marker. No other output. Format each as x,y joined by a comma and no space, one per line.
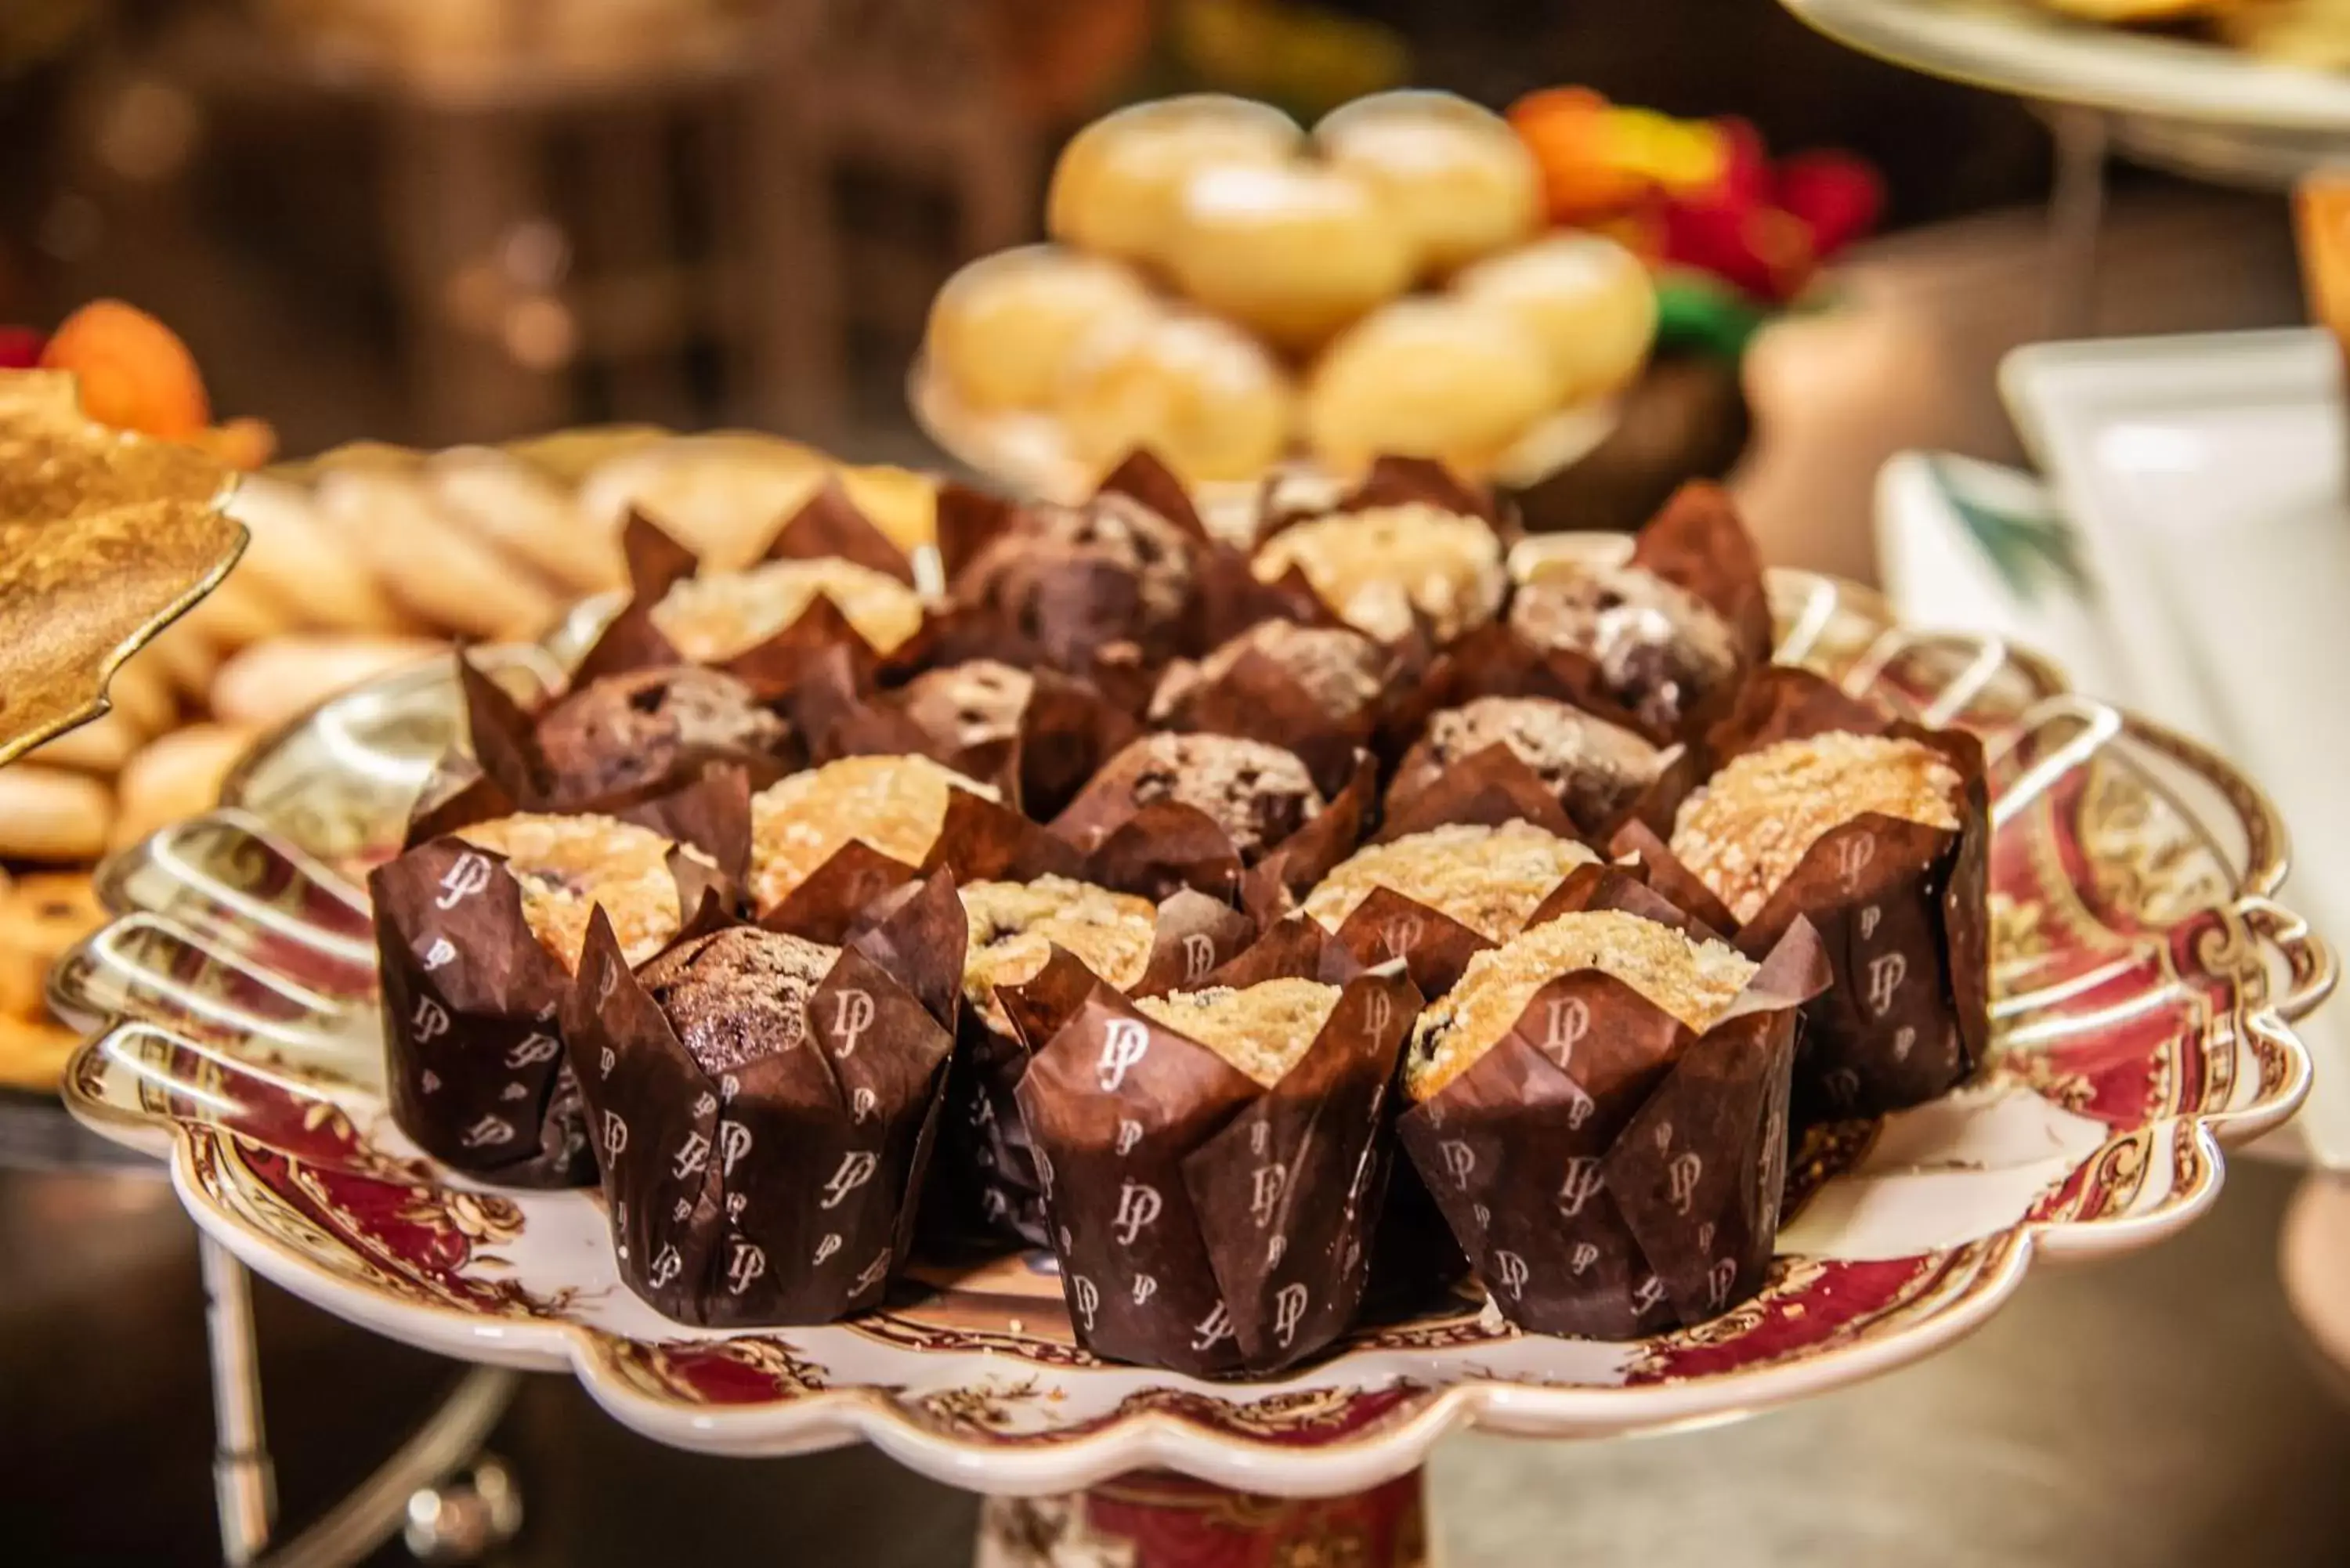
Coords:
1591,767
1374,566
1458,180
1436,376
896,805
1262,1030
738,996
1749,826
1584,300
1258,793
568,866
1200,392
1118,183
1692,980
1014,926
1488,879
713,617
1291,250
1003,329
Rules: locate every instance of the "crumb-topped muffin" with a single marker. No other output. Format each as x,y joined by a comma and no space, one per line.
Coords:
1694,980
1374,567
1488,879
968,704
1019,572
737,995
1014,926
1258,793
1262,1030
1661,650
1343,671
1594,768
633,729
1749,826
711,618
896,805
569,865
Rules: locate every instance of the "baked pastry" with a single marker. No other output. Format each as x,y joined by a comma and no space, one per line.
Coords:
1489,879
1263,1030
1587,301
1258,793
1200,392
974,703
711,618
1343,671
736,995
1024,575
1375,567
1692,979
1594,768
1660,650
1291,250
1438,377
1458,181
1749,827
721,496
1003,328
1118,183
568,866
1013,927
895,804
636,729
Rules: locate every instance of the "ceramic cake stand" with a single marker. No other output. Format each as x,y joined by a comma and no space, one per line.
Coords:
2144,977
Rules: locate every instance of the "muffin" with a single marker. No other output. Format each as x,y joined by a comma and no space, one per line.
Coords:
1261,1031
1694,980
1659,649
567,866
1438,377
1032,575
1584,300
1341,671
1003,329
634,729
737,995
1375,567
1292,252
1015,927
1749,826
710,620
1118,183
894,804
1593,768
1257,794
1456,180
1489,879
1200,392
974,703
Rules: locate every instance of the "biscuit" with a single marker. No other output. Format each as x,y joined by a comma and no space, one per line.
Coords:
1659,648
714,618
292,553
1258,793
53,814
40,917
176,777
974,703
895,804
737,995
1262,1030
1375,567
1014,926
1693,980
431,566
1591,767
518,509
568,866
1488,879
1587,301
1749,826
100,746
272,681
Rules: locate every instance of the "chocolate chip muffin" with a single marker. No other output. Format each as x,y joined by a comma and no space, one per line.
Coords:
628,731
969,704
1014,926
1258,793
1262,1030
1076,578
897,805
1342,671
737,995
569,865
1661,650
1488,879
1594,768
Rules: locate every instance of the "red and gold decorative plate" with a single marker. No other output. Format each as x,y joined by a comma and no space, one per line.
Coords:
2144,979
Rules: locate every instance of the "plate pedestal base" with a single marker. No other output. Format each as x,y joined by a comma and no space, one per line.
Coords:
1154,1519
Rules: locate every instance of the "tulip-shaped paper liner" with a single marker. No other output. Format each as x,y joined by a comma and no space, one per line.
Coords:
1609,1173
989,1193
781,1192
1257,697
1901,909
1205,1224
471,1040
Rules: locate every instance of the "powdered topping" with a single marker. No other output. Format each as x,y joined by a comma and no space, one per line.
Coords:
896,805
1262,1030
716,617
1488,879
1374,567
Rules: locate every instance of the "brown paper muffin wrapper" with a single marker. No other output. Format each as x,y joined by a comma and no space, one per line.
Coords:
781,1192
1700,543
1259,700
1900,908
1204,1224
1488,788
1396,481
1609,1174
989,1194
1495,662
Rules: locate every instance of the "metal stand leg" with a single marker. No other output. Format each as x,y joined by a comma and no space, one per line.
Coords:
2077,210
244,1487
